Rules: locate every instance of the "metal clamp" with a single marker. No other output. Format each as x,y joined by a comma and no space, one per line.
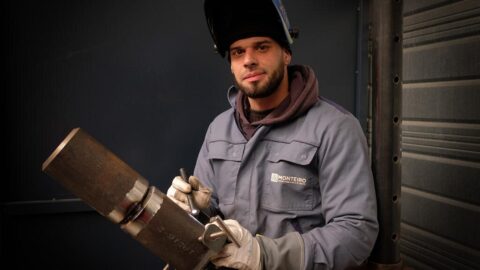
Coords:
216,234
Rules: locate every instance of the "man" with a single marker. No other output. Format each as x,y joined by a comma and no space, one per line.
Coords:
282,164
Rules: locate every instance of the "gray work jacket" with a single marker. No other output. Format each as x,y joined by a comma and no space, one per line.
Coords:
310,175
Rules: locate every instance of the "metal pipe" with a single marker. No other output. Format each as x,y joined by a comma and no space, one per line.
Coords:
386,55
93,173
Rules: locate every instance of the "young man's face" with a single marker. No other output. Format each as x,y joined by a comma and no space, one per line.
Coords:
258,65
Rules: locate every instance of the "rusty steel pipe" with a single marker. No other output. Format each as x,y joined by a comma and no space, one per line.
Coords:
102,180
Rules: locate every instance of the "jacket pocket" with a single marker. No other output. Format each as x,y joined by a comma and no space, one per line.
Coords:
225,158
291,177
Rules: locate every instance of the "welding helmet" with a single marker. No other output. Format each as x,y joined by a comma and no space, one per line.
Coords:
231,20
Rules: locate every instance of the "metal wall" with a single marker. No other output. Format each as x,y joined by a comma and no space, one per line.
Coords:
441,135
142,78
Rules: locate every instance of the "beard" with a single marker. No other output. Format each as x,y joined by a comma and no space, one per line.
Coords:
261,89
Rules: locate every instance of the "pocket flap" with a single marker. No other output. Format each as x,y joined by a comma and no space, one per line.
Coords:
225,151
295,152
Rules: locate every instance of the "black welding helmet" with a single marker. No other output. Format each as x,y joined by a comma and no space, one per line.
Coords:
231,20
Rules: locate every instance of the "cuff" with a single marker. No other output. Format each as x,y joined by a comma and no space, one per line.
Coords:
286,252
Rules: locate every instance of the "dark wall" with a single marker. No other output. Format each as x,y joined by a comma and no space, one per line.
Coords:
130,74
143,79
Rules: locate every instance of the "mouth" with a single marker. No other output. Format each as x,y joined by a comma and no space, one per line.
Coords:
253,76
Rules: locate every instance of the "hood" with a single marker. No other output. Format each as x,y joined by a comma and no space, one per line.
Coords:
303,94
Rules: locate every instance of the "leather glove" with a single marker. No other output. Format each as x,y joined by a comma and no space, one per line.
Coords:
261,252
179,189
245,257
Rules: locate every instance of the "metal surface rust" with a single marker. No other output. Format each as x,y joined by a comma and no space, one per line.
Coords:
90,171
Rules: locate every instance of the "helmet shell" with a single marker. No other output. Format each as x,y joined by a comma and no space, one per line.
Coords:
230,20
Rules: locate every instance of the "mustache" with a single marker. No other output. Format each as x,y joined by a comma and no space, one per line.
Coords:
253,73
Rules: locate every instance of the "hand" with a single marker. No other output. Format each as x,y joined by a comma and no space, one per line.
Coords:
245,257
179,189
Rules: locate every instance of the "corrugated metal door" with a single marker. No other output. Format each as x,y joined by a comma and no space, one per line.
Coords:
441,135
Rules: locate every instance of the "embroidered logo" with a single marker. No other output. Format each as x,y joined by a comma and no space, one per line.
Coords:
288,179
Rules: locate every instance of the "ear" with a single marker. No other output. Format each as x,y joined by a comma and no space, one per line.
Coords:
287,57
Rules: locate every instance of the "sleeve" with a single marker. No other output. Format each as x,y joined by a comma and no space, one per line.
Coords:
205,173
348,200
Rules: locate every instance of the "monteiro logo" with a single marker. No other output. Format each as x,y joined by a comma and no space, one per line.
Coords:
277,178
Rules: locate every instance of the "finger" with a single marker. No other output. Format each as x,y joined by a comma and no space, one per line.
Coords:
194,182
181,185
201,199
221,262
225,257
218,256
226,251
181,197
173,193
232,223
235,228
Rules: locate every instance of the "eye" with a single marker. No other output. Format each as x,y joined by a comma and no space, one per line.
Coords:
262,47
236,52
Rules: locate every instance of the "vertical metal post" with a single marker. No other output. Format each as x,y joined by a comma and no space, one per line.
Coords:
385,48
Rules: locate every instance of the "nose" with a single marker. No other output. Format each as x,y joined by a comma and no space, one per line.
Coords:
250,59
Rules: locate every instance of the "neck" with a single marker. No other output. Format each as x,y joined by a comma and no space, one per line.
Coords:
272,101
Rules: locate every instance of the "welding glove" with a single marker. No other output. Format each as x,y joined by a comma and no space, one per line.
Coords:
179,189
260,252
245,257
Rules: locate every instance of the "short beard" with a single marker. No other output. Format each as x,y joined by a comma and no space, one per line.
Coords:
272,84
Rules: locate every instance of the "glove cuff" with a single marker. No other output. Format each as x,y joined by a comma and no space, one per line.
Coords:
286,252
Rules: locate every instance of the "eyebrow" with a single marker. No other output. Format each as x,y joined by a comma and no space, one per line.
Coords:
255,44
